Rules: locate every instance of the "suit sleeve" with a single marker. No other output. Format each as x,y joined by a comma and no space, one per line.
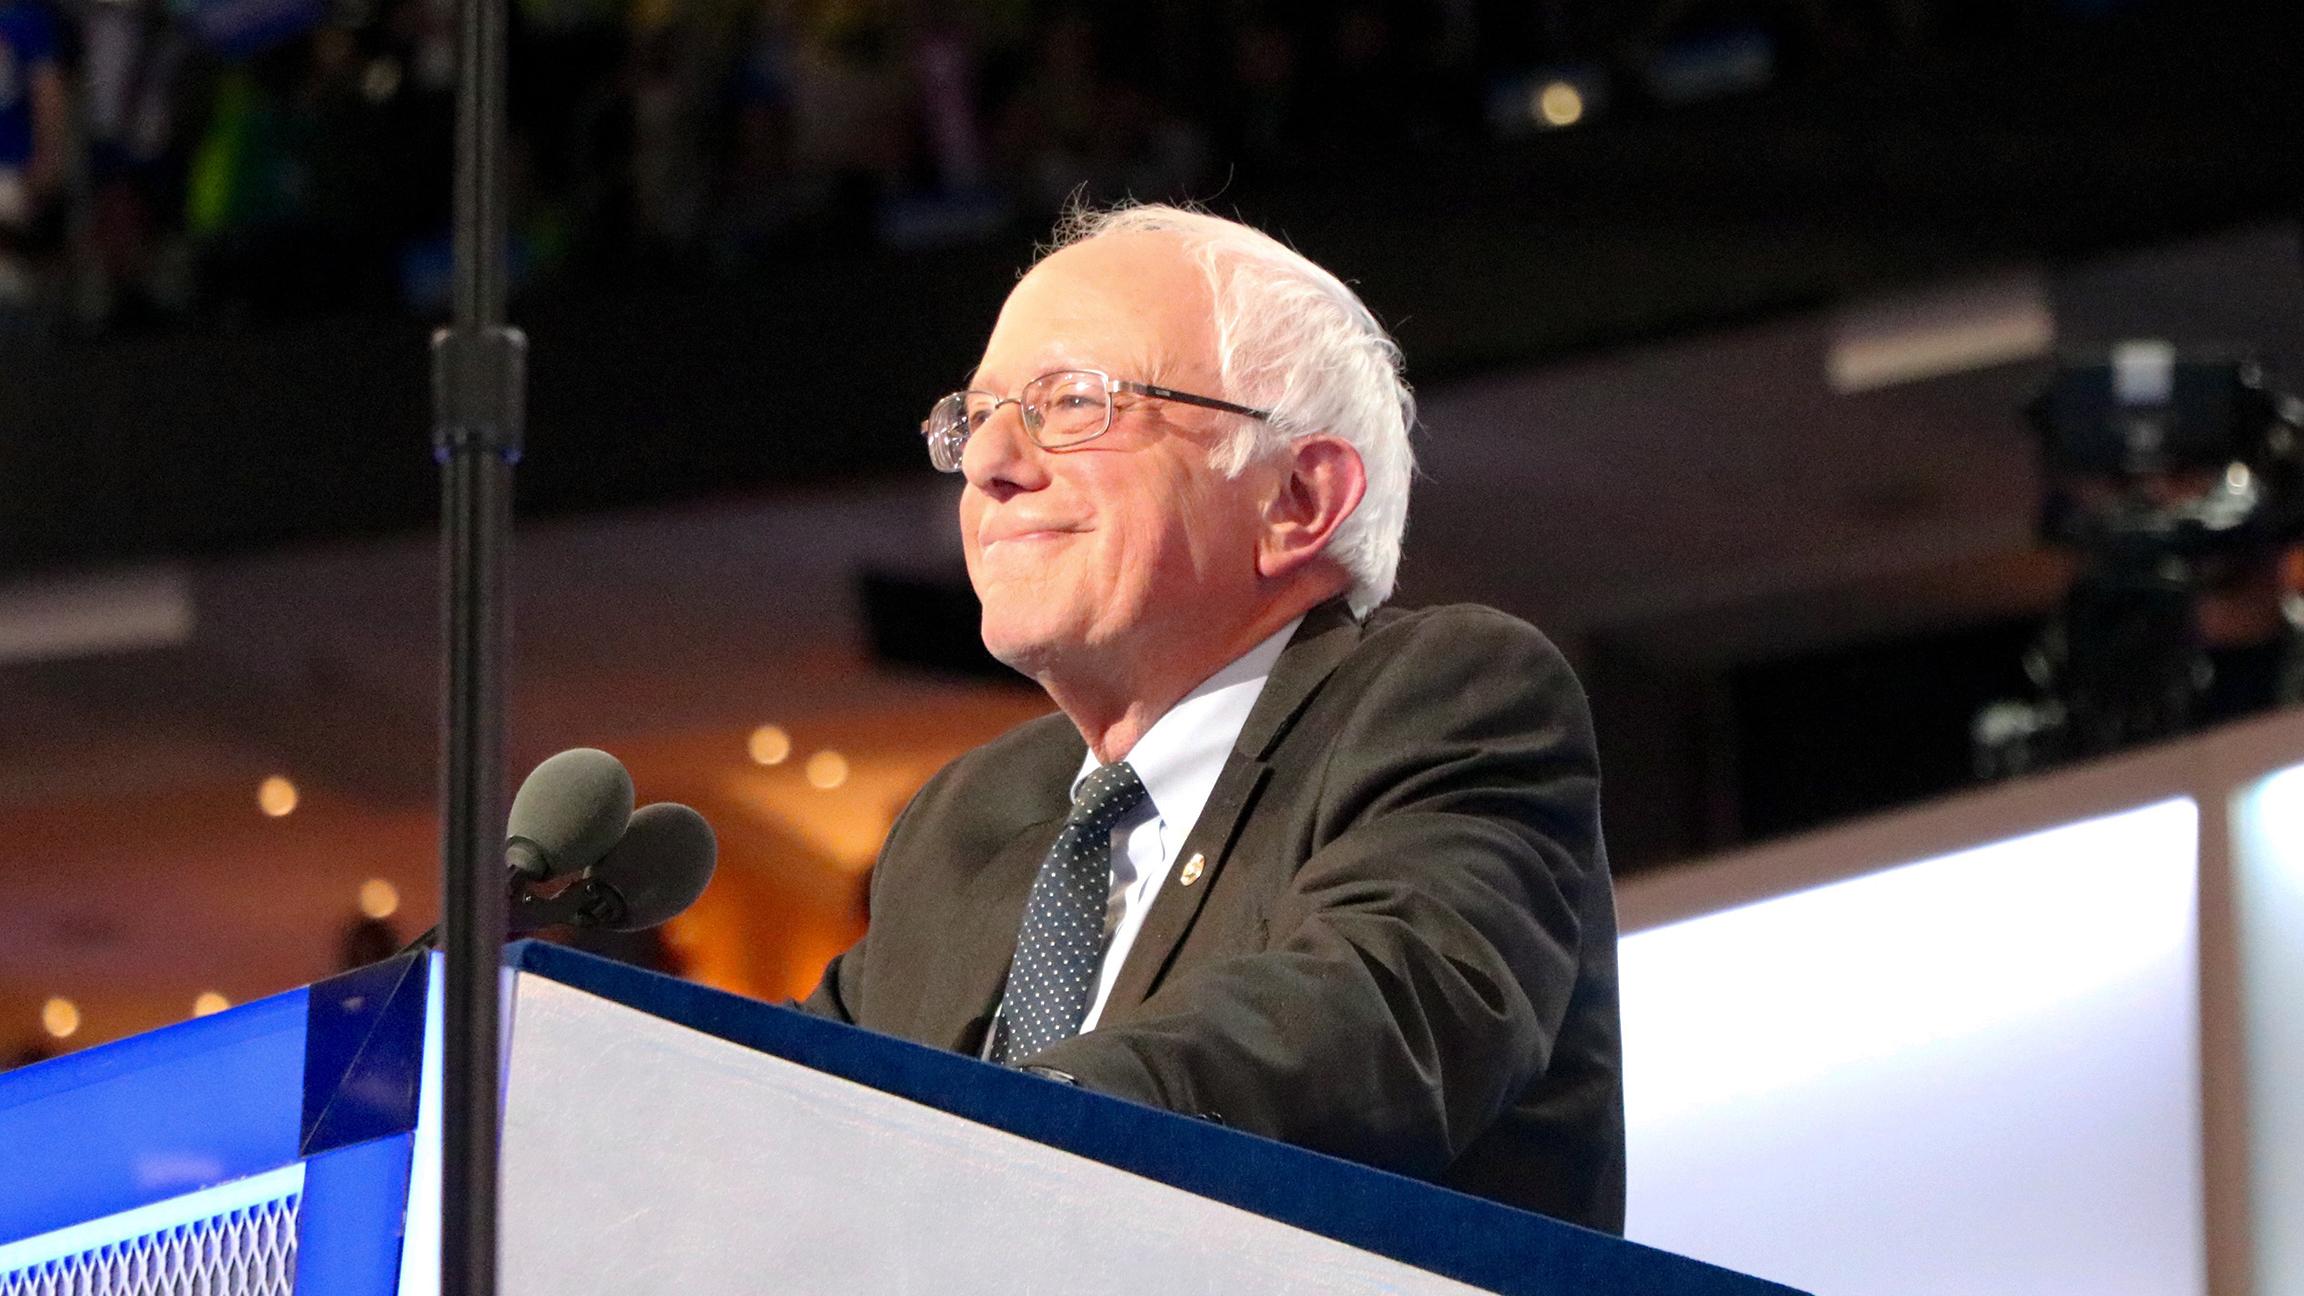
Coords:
839,995
1419,967
840,988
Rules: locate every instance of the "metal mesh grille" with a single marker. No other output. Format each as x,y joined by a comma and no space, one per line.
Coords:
245,1252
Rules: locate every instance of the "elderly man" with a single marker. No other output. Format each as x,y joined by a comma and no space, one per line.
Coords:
1321,872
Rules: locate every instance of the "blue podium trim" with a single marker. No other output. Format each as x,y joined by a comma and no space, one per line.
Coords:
213,1099
1466,1238
348,1233
141,1120
185,1212
363,1054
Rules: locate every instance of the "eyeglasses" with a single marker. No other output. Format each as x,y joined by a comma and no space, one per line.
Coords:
1059,409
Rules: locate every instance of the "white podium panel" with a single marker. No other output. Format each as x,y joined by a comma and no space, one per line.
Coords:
611,1112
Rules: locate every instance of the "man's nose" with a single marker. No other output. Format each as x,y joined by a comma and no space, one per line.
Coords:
1000,459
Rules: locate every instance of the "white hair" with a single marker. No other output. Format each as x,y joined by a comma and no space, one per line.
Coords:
1294,339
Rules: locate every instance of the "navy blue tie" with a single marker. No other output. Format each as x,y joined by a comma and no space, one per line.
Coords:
1060,950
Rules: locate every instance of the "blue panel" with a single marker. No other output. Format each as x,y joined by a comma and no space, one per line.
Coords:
363,1048
1479,1242
244,1227
142,1119
348,1232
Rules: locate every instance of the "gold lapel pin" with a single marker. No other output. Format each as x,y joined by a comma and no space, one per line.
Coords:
1193,867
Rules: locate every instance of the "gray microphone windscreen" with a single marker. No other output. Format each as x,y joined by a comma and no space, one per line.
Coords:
571,811
661,866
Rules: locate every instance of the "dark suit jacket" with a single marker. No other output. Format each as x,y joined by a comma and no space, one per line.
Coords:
1401,950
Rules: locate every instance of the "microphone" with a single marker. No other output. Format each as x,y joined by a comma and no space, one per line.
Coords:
656,872
570,811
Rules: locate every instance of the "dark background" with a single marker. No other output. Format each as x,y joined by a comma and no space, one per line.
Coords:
753,239
263,380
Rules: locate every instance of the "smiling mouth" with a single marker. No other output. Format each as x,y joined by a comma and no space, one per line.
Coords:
1037,533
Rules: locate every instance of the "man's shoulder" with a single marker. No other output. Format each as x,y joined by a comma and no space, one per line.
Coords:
1471,633
1446,668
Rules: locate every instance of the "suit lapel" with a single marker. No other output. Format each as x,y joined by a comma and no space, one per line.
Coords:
1179,902
1328,633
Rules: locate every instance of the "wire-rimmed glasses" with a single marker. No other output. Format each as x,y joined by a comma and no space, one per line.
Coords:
1058,409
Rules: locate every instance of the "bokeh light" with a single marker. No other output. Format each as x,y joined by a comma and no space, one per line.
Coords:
379,898
827,769
276,796
1559,104
60,1017
769,745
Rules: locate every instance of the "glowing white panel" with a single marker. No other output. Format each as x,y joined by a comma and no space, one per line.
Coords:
420,1241
1976,1073
2269,865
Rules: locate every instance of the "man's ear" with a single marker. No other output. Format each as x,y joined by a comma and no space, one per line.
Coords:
1320,482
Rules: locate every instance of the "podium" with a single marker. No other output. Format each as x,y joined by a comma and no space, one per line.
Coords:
664,1137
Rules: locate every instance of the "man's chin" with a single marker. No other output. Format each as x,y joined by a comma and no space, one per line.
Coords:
1020,648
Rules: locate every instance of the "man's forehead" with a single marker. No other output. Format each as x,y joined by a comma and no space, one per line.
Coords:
1118,301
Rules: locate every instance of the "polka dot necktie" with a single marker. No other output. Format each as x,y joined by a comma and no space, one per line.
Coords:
1060,951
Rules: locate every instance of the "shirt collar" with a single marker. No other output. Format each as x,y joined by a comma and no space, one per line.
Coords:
1181,755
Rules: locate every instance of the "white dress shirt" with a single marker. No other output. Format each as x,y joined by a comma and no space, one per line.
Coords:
1178,759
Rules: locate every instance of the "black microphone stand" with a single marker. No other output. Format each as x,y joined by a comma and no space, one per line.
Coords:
478,382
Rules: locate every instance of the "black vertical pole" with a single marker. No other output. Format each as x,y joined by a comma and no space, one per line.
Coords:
478,380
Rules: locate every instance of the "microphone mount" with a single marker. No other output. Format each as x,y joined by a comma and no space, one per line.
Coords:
584,902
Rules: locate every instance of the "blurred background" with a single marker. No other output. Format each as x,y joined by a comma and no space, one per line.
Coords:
1724,316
